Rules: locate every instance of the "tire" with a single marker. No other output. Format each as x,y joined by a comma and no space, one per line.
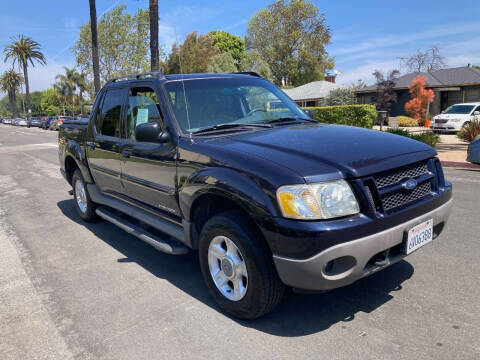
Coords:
465,124
262,289
83,204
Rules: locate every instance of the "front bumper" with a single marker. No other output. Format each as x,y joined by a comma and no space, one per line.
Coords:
355,259
446,126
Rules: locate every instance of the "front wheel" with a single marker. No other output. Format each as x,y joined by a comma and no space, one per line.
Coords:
84,205
237,267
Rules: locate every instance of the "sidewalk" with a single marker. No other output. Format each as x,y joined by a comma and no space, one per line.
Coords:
452,152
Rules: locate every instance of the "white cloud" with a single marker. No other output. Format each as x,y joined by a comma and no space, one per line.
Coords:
395,40
167,36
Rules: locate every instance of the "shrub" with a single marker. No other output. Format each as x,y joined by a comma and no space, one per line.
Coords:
470,131
428,138
353,115
400,132
405,121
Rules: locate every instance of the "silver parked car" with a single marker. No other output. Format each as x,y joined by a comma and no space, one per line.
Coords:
473,154
21,122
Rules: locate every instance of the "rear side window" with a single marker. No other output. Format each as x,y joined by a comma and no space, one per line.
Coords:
107,122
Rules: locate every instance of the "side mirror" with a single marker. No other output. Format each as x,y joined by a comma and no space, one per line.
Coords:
310,113
476,113
151,132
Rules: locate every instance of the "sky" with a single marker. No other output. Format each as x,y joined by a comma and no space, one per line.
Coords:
367,35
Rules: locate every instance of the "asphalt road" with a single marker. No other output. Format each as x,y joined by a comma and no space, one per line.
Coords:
90,291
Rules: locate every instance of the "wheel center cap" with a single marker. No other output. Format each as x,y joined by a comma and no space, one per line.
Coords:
227,267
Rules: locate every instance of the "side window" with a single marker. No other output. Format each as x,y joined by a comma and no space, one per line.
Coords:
477,109
143,107
107,122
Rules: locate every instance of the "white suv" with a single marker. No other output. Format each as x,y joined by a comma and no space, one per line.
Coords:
456,116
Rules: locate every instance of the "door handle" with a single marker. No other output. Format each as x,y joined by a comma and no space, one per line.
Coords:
126,153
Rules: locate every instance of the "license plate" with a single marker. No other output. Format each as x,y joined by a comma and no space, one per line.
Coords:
419,235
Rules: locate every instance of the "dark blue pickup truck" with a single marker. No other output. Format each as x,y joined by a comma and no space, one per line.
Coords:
229,165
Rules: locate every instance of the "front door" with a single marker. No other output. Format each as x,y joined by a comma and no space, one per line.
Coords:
104,148
148,169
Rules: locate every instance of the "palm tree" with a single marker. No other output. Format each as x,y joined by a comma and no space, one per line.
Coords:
10,82
63,90
66,85
154,54
93,28
24,50
81,84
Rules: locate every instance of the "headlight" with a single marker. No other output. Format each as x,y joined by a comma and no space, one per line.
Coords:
317,201
455,120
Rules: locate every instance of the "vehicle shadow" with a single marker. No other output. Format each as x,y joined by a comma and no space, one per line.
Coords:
297,315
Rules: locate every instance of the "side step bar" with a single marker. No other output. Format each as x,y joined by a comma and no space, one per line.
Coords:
169,247
169,228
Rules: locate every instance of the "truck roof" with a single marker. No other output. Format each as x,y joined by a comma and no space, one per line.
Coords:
161,76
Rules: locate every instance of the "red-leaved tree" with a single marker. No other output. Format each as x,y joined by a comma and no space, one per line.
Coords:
420,98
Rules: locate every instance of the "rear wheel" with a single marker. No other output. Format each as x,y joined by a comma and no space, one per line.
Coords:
84,205
237,267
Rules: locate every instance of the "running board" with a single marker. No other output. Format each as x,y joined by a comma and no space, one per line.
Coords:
165,226
170,247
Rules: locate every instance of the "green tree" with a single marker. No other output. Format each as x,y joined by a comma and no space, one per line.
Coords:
24,51
228,43
222,63
193,56
10,82
253,61
291,37
51,102
123,44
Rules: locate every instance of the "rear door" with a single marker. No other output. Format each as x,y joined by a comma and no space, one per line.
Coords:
148,169
103,148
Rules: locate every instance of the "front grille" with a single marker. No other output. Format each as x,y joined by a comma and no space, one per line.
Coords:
404,197
441,121
396,175
392,196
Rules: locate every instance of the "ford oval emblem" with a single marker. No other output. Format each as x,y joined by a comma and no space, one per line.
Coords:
410,184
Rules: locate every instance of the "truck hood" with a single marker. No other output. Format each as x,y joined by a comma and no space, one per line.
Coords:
325,152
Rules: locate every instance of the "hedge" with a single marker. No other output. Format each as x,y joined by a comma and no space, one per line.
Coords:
405,121
353,115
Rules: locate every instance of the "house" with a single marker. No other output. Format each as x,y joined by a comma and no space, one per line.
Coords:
311,94
451,86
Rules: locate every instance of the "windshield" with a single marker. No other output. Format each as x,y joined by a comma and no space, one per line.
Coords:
218,101
459,109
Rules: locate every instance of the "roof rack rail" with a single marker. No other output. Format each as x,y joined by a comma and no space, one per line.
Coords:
151,74
253,73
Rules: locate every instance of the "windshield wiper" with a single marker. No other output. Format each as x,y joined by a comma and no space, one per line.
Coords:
230,126
288,118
